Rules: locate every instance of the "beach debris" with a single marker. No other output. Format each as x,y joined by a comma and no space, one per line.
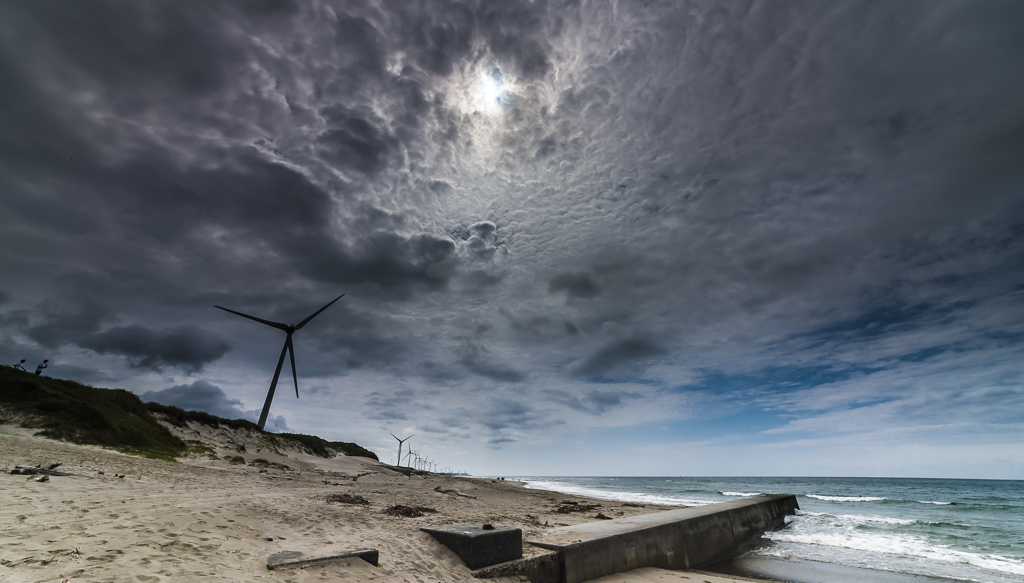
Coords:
301,560
633,504
444,490
32,470
568,507
345,498
601,516
408,511
40,478
487,527
532,520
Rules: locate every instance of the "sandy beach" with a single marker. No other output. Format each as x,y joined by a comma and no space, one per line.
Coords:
207,518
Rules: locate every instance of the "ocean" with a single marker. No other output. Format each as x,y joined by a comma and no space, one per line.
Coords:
893,529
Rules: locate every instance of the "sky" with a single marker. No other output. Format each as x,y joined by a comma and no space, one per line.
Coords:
746,238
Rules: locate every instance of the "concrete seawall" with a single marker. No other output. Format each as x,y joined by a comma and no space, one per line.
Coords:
686,538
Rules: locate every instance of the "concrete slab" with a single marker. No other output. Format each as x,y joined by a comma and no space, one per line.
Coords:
544,568
480,545
296,558
685,538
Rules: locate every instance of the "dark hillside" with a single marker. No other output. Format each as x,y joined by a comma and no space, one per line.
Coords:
78,413
118,419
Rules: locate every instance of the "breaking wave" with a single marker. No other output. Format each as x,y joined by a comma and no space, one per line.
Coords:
846,498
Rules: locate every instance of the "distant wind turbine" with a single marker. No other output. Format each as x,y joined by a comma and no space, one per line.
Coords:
288,347
400,442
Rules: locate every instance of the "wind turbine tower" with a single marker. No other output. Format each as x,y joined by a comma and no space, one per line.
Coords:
400,442
288,347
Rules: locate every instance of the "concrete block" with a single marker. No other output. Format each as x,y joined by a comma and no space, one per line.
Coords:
480,547
685,538
544,568
296,558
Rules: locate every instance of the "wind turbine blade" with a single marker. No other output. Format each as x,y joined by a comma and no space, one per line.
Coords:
393,435
273,385
277,325
291,353
304,322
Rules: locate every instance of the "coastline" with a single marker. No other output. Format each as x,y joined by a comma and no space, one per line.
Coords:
202,518
883,530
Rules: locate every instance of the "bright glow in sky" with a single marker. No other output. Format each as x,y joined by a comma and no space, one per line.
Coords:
490,92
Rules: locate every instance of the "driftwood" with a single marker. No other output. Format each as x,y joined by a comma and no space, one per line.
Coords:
31,470
452,491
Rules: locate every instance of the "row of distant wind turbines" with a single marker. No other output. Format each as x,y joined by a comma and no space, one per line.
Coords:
415,460
412,458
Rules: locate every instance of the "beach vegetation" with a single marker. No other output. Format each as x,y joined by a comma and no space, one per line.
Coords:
235,459
118,419
179,417
262,463
197,448
310,444
327,449
78,413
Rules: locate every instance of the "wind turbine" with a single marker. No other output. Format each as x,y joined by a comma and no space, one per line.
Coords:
400,442
288,347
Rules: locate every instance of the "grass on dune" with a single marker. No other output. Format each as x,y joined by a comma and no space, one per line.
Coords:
78,413
118,419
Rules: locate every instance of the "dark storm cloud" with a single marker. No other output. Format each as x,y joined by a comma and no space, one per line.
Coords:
63,324
577,285
354,141
200,395
146,53
187,347
509,414
618,355
391,405
204,396
479,361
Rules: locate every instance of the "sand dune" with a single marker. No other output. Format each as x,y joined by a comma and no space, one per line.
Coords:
206,518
